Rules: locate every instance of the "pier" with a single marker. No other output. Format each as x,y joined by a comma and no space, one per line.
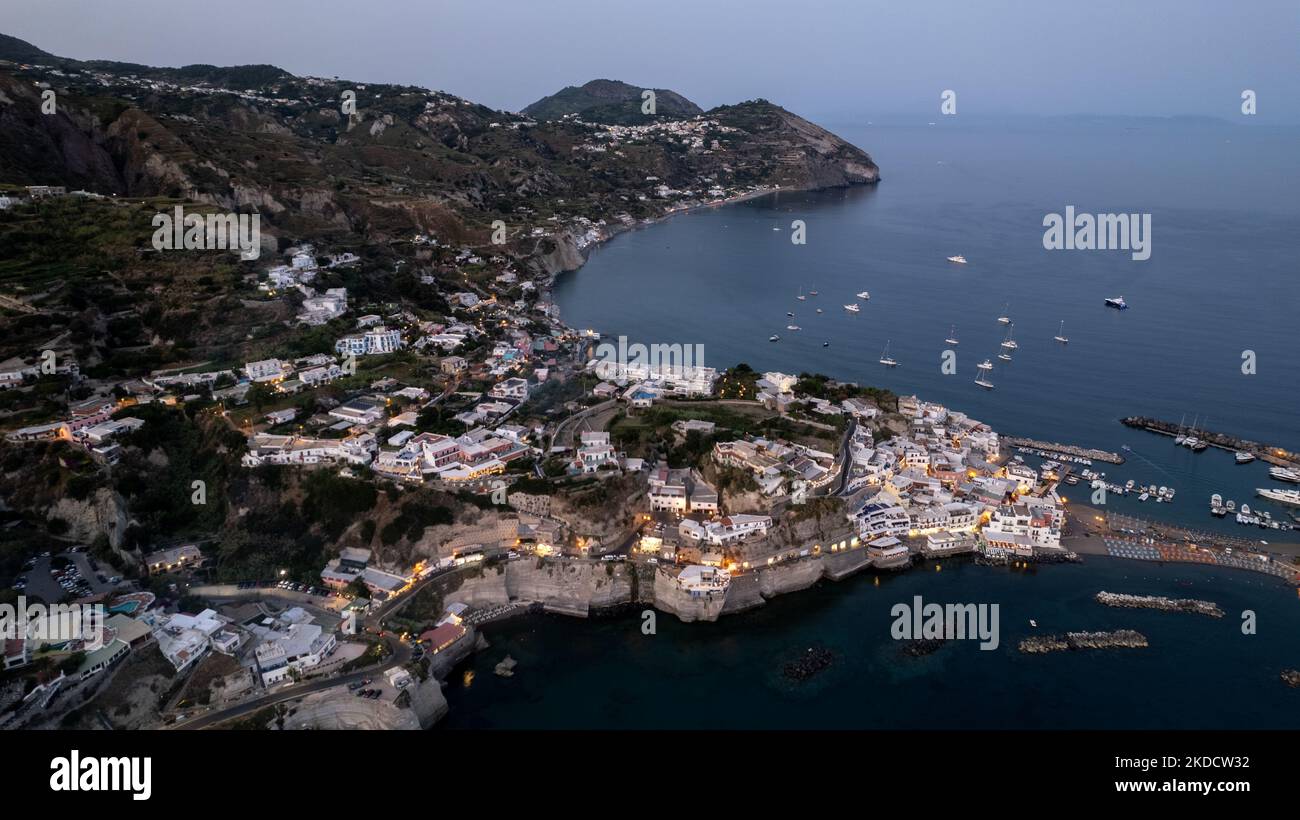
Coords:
1054,449
1277,456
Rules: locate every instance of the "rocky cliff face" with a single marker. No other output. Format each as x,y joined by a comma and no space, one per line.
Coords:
103,513
568,587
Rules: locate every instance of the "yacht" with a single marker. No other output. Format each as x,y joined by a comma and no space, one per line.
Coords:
985,365
1216,506
1004,356
774,338
1117,302
792,327
1060,334
819,310
982,379
1010,343
1284,474
1284,496
1244,457
885,358
812,293
952,336
1245,509
788,313
1128,486
959,259
801,297
864,295
1230,505
1005,318
852,307
826,344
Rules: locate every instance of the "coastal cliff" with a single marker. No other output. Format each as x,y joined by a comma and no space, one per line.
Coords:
568,587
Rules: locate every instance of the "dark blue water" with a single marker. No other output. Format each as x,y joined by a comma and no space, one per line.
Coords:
1222,279
1198,672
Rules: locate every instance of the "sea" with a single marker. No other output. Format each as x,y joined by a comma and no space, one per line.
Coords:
1209,338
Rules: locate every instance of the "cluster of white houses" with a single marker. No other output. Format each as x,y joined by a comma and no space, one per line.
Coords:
942,480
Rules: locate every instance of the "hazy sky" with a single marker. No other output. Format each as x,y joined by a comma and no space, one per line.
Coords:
832,60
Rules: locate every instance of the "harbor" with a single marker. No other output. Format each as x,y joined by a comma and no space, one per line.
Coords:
1063,452
1276,456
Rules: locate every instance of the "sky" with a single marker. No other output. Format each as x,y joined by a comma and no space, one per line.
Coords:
834,61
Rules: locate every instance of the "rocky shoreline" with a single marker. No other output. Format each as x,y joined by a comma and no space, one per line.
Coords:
1119,639
1291,677
1123,601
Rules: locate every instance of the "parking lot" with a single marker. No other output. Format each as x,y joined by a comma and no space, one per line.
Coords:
80,577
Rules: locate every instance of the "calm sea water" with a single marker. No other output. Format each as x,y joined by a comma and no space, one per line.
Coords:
1222,279
1199,672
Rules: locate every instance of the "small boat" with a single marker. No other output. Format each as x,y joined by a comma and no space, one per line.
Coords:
774,338
1230,505
1010,343
819,310
1117,302
952,336
812,293
1245,509
826,344
1144,496
983,381
801,297
1033,623
788,313
886,359
864,295
792,327
982,378
1005,318
959,259
1006,357
1243,457
852,308
1060,334
1128,486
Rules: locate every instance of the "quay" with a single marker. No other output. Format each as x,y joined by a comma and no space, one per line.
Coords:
1277,456
1055,449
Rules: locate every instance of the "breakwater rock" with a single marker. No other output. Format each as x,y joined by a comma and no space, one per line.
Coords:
1291,677
920,647
1123,601
1119,639
813,660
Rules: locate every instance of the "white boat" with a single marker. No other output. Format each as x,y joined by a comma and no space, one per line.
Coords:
1033,623
982,378
1245,509
788,313
812,292
852,308
774,338
885,358
959,259
1128,485
1117,302
801,297
1010,343
1143,497
1005,318
1216,506
1060,334
1284,474
983,381
864,295
791,327
1284,496
819,310
1243,457
952,336
1004,356
985,365
1230,505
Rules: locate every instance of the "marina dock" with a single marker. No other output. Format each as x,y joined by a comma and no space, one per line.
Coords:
1277,456
1054,449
